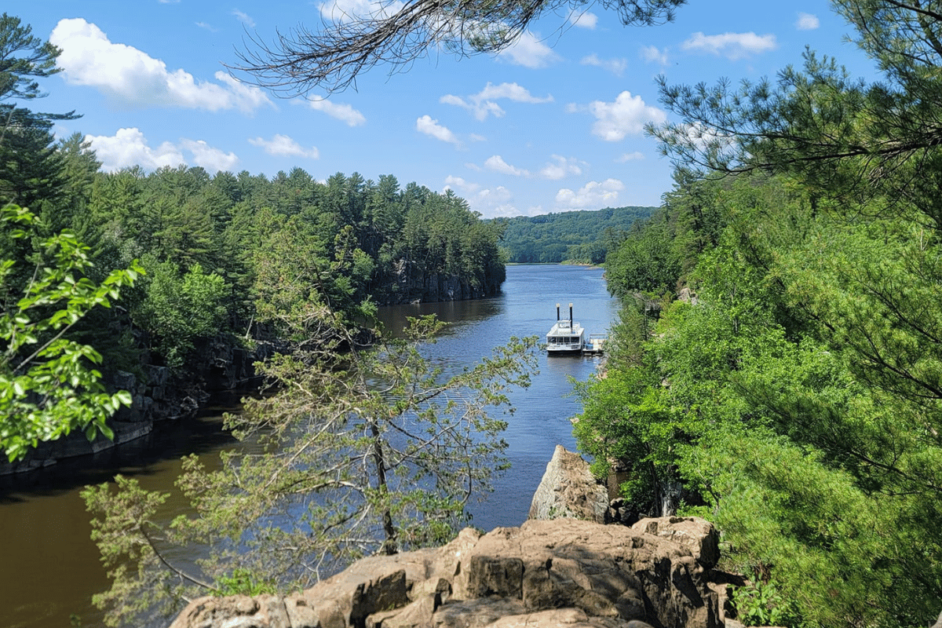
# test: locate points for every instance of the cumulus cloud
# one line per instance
(459, 184)
(592, 194)
(497, 164)
(431, 127)
(283, 146)
(493, 203)
(583, 19)
(627, 115)
(339, 111)
(653, 54)
(344, 10)
(615, 66)
(129, 147)
(484, 103)
(807, 22)
(635, 156)
(244, 18)
(528, 51)
(731, 45)
(134, 78)
(211, 159)
(560, 167)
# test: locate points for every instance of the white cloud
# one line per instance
(134, 78)
(462, 186)
(635, 156)
(528, 51)
(282, 145)
(484, 102)
(426, 125)
(489, 202)
(344, 10)
(592, 194)
(731, 45)
(497, 164)
(615, 66)
(653, 54)
(244, 18)
(626, 116)
(474, 137)
(560, 168)
(340, 111)
(211, 159)
(492, 203)
(807, 22)
(583, 19)
(129, 147)
(208, 27)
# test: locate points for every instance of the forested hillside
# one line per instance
(777, 364)
(581, 236)
(227, 260)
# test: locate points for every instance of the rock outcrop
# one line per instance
(565, 572)
(568, 489)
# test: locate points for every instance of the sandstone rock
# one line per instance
(696, 534)
(568, 489)
(565, 572)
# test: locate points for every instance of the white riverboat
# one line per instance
(565, 336)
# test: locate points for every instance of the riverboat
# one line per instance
(565, 336)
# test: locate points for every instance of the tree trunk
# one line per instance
(390, 546)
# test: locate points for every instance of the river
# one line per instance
(50, 568)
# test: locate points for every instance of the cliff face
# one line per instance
(542, 574)
(411, 282)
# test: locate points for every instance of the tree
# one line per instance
(842, 137)
(47, 387)
(332, 57)
(30, 169)
(366, 451)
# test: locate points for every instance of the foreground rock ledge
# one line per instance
(564, 572)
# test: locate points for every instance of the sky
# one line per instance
(553, 123)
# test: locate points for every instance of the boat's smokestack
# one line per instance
(570, 316)
(557, 312)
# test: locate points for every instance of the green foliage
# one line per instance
(580, 236)
(243, 582)
(180, 311)
(760, 604)
(796, 401)
(47, 385)
(375, 450)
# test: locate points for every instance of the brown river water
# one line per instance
(49, 567)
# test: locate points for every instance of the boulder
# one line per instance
(696, 534)
(565, 572)
(568, 489)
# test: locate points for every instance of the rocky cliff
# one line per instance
(565, 572)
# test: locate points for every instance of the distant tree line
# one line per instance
(582, 237)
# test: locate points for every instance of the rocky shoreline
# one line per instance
(156, 396)
(563, 567)
(570, 564)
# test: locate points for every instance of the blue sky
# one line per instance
(551, 124)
